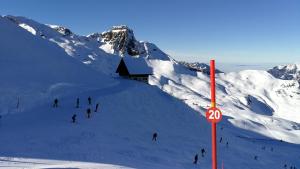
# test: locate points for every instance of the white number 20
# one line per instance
(214, 114)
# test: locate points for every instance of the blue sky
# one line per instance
(231, 31)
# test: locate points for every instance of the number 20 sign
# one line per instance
(213, 115)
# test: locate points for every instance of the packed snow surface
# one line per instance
(261, 118)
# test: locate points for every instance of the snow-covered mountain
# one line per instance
(41, 62)
(99, 50)
(198, 67)
(286, 72)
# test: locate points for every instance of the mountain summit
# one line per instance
(286, 72)
(122, 40)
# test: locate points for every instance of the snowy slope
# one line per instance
(260, 111)
(85, 49)
(33, 68)
(99, 50)
(120, 134)
(250, 93)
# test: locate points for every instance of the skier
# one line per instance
(97, 105)
(255, 157)
(77, 103)
(88, 112)
(222, 128)
(202, 152)
(55, 103)
(227, 144)
(196, 159)
(90, 100)
(221, 140)
(154, 137)
(74, 118)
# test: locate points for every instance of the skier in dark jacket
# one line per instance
(74, 118)
(221, 140)
(97, 105)
(90, 100)
(196, 159)
(77, 103)
(202, 152)
(55, 103)
(88, 112)
(154, 136)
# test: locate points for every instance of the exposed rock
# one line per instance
(95, 36)
(122, 40)
(286, 72)
(198, 67)
(63, 30)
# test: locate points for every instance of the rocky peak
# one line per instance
(95, 36)
(63, 30)
(286, 72)
(198, 67)
(122, 40)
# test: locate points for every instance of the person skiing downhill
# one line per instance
(74, 118)
(97, 105)
(90, 100)
(154, 136)
(196, 159)
(202, 152)
(55, 103)
(88, 112)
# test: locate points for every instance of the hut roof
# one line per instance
(137, 66)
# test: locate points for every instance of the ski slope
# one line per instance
(39, 63)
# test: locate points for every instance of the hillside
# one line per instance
(41, 62)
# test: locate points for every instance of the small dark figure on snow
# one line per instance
(88, 112)
(227, 144)
(196, 159)
(77, 103)
(97, 105)
(90, 100)
(285, 166)
(221, 140)
(154, 137)
(202, 152)
(74, 118)
(55, 103)
(255, 157)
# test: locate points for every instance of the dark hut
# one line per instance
(134, 68)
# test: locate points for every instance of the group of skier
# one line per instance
(88, 111)
(154, 135)
(203, 152)
(291, 167)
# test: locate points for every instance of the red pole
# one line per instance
(213, 104)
